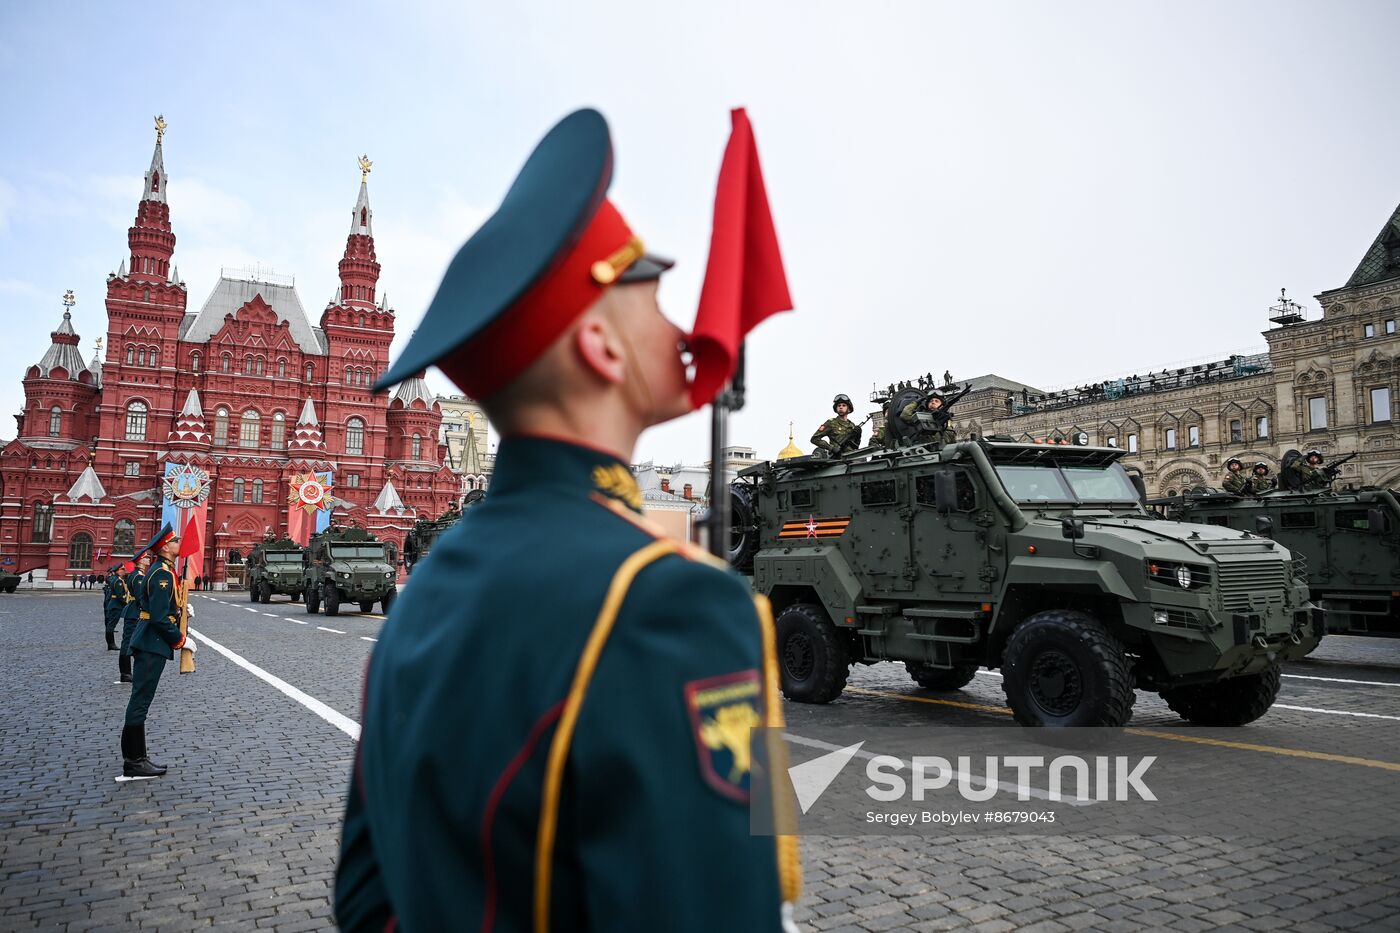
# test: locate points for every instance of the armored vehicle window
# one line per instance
(966, 491)
(1222, 520)
(1034, 484)
(878, 492)
(803, 499)
(357, 550)
(1351, 520)
(1100, 484)
(1299, 520)
(282, 557)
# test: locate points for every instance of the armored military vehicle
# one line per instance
(1038, 559)
(9, 582)
(274, 566)
(348, 565)
(425, 532)
(1349, 541)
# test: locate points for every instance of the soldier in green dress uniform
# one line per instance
(112, 604)
(154, 643)
(573, 755)
(839, 435)
(1236, 480)
(133, 589)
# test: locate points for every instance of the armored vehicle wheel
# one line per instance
(367, 606)
(252, 592)
(332, 600)
(811, 657)
(1062, 668)
(743, 532)
(11, 587)
(1233, 701)
(941, 678)
(388, 600)
(265, 592)
(313, 600)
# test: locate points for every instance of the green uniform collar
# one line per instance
(527, 463)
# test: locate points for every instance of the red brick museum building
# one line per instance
(245, 388)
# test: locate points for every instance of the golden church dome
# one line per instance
(791, 450)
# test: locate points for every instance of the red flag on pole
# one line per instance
(189, 540)
(744, 278)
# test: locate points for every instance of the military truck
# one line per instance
(275, 566)
(9, 582)
(1349, 541)
(348, 565)
(425, 532)
(1038, 559)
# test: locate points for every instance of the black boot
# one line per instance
(112, 642)
(134, 760)
(124, 665)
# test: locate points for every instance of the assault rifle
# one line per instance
(1333, 469)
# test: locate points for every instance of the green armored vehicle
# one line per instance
(348, 565)
(1036, 559)
(425, 532)
(1349, 541)
(274, 566)
(9, 582)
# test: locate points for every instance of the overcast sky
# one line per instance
(1051, 192)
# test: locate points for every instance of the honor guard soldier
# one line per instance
(572, 756)
(154, 642)
(112, 605)
(1261, 481)
(1236, 480)
(133, 583)
(839, 435)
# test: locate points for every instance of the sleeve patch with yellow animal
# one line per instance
(722, 711)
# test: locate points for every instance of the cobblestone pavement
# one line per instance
(243, 832)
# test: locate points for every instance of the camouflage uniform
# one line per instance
(1236, 481)
(942, 433)
(1260, 482)
(837, 435)
(1307, 475)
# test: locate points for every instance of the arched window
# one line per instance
(80, 552)
(155, 181)
(279, 429)
(130, 354)
(362, 320)
(141, 357)
(257, 491)
(417, 453)
(260, 365)
(226, 363)
(249, 430)
(310, 372)
(136, 421)
(238, 490)
(221, 426)
(355, 436)
(281, 368)
(248, 364)
(55, 421)
(124, 539)
(194, 362)
(43, 523)
(349, 376)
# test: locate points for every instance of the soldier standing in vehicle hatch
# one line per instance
(839, 435)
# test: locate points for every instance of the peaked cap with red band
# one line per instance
(551, 249)
(159, 541)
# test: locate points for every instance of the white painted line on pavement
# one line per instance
(297, 621)
(250, 608)
(1343, 680)
(367, 638)
(336, 630)
(270, 615)
(342, 722)
(1335, 712)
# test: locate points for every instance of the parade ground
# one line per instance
(242, 832)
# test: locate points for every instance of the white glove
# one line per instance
(189, 610)
(189, 644)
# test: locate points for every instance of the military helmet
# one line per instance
(1313, 453)
(1235, 460)
(923, 402)
(1261, 465)
(842, 398)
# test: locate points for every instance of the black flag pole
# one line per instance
(730, 399)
